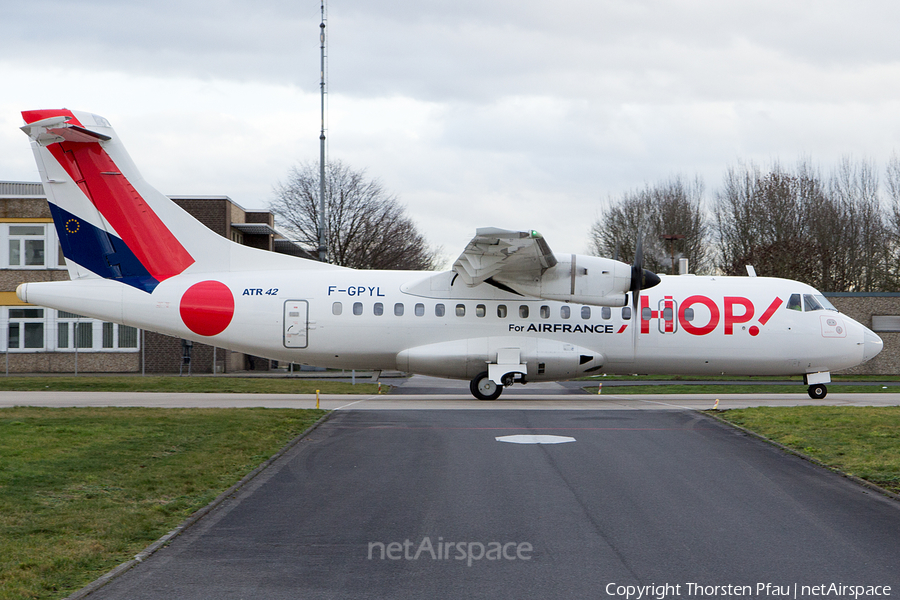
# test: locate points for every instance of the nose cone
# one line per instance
(872, 345)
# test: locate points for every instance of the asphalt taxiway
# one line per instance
(639, 497)
(388, 500)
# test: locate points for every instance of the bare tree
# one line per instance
(832, 234)
(671, 208)
(366, 227)
(761, 220)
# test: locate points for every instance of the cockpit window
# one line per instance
(794, 302)
(810, 303)
(825, 303)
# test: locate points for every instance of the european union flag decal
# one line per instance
(99, 252)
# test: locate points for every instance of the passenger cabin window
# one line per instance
(337, 308)
(480, 310)
(460, 310)
(565, 312)
(606, 313)
(398, 309)
(545, 312)
(378, 309)
(688, 314)
(626, 313)
(794, 302)
(420, 310)
(439, 310)
(585, 312)
(357, 308)
(501, 311)
(523, 311)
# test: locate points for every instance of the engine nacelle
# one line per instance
(579, 279)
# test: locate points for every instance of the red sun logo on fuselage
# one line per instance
(207, 307)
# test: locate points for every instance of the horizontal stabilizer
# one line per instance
(54, 130)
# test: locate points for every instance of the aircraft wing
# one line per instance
(514, 254)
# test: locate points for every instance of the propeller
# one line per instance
(641, 279)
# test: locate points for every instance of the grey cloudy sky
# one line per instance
(515, 114)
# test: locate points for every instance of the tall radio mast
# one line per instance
(323, 247)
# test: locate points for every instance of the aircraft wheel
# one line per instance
(817, 392)
(483, 388)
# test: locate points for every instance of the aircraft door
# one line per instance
(296, 323)
(667, 311)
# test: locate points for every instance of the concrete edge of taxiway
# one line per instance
(191, 520)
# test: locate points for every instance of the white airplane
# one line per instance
(510, 310)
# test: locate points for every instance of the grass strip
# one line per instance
(85, 489)
(219, 385)
(724, 388)
(856, 440)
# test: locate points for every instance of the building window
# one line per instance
(84, 335)
(26, 246)
(128, 336)
(26, 328)
(75, 331)
(109, 335)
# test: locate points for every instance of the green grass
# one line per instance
(724, 388)
(85, 489)
(132, 383)
(857, 440)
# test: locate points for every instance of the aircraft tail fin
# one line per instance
(113, 224)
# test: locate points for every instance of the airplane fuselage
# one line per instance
(427, 323)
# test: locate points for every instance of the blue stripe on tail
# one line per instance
(99, 252)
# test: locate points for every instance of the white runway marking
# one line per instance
(535, 439)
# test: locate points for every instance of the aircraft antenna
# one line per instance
(323, 246)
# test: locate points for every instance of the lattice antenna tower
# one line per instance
(323, 245)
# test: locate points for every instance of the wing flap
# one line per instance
(499, 252)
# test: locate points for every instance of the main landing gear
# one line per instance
(817, 391)
(483, 388)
